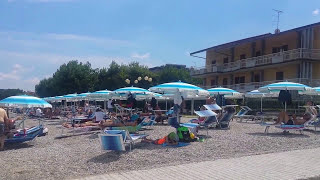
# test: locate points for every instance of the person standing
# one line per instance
(110, 105)
(3, 121)
(153, 103)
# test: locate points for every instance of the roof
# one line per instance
(252, 39)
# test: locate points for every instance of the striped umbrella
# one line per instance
(70, 97)
(103, 94)
(286, 86)
(187, 90)
(222, 91)
(25, 101)
(140, 93)
(258, 94)
(82, 96)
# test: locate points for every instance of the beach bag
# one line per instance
(183, 134)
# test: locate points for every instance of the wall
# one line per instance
(316, 37)
(290, 72)
(289, 38)
(315, 70)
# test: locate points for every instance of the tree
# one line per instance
(4, 93)
(73, 77)
(172, 74)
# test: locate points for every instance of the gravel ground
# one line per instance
(77, 156)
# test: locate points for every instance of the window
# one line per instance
(284, 48)
(213, 82)
(256, 78)
(275, 49)
(213, 62)
(258, 53)
(236, 80)
(225, 81)
(279, 75)
(225, 60)
(242, 79)
(242, 56)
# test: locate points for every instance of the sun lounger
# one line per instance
(150, 122)
(213, 107)
(131, 129)
(285, 127)
(242, 114)
(28, 135)
(116, 139)
(210, 118)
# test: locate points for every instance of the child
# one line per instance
(171, 139)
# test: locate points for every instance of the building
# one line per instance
(247, 64)
(159, 68)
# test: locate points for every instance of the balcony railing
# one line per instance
(245, 87)
(274, 58)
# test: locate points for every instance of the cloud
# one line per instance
(140, 56)
(315, 12)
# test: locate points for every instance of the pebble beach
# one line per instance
(49, 157)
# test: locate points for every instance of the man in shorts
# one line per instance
(3, 122)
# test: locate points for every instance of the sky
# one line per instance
(37, 36)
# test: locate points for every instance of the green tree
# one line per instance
(73, 77)
(4, 93)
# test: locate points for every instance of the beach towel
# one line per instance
(180, 144)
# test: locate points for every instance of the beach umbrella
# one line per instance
(222, 91)
(187, 90)
(122, 93)
(286, 86)
(82, 96)
(102, 94)
(25, 101)
(257, 94)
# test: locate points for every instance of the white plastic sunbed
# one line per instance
(242, 114)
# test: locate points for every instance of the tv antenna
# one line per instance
(278, 20)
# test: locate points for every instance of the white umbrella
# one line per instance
(286, 86)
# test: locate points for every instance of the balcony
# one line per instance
(246, 87)
(285, 56)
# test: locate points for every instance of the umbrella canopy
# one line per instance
(70, 97)
(103, 94)
(222, 91)
(187, 90)
(139, 93)
(316, 91)
(82, 96)
(285, 86)
(25, 101)
(257, 94)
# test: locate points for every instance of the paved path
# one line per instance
(285, 165)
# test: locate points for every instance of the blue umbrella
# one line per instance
(222, 91)
(188, 90)
(285, 86)
(140, 93)
(99, 94)
(25, 101)
(70, 97)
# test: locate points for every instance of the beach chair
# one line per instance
(25, 135)
(131, 129)
(242, 114)
(150, 122)
(224, 122)
(210, 119)
(288, 128)
(117, 139)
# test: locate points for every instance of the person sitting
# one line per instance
(293, 120)
(99, 115)
(170, 139)
(38, 112)
(158, 114)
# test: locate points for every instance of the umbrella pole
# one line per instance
(166, 105)
(285, 106)
(192, 106)
(105, 104)
(261, 105)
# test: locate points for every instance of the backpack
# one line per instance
(183, 134)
